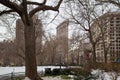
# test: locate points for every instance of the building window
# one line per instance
(111, 34)
(111, 25)
(117, 18)
(112, 22)
(117, 22)
(111, 37)
(112, 18)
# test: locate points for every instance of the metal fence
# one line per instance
(13, 76)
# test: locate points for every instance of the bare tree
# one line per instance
(85, 13)
(114, 2)
(76, 46)
(82, 14)
(50, 49)
(8, 24)
(20, 7)
(103, 23)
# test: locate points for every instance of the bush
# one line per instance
(113, 66)
(56, 72)
(80, 72)
(48, 71)
(78, 78)
(65, 71)
(18, 79)
(66, 77)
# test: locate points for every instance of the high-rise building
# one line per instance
(107, 25)
(62, 40)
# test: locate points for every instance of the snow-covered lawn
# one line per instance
(50, 78)
(102, 75)
(53, 78)
(7, 70)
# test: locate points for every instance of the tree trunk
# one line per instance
(30, 58)
(94, 54)
(104, 46)
(105, 56)
(105, 51)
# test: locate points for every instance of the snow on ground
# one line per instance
(102, 75)
(7, 70)
(52, 78)
(57, 78)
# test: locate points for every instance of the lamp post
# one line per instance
(60, 61)
(59, 56)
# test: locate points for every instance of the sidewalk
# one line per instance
(52, 78)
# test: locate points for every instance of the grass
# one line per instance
(49, 76)
(65, 77)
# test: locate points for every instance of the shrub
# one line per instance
(65, 77)
(48, 71)
(56, 72)
(113, 66)
(80, 72)
(65, 71)
(18, 79)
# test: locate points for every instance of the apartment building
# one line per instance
(106, 29)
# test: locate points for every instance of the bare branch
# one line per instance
(110, 1)
(11, 5)
(57, 7)
(45, 7)
(36, 3)
(6, 12)
(44, 1)
(77, 21)
(53, 18)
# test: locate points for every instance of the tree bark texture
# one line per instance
(30, 57)
(94, 53)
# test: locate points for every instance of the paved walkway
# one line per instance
(52, 78)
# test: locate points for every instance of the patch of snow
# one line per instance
(52, 78)
(72, 76)
(27, 78)
(7, 70)
(102, 75)
(118, 78)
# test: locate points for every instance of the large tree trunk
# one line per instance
(105, 51)
(30, 58)
(105, 56)
(94, 53)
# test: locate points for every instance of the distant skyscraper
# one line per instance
(62, 40)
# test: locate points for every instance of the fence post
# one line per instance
(12, 75)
